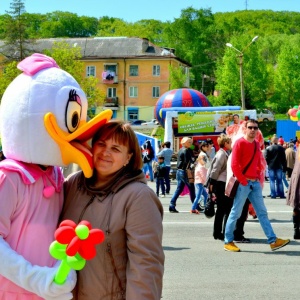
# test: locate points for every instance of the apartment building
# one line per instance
(133, 72)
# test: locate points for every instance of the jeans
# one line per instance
(276, 184)
(200, 190)
(160, 183)
(167, 179)
(148, 166)
(253, 192)
(182, 180)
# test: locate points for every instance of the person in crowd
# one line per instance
(217, 176)
(293, 196)
(217, 180)
(195, 147)
(250, 187)
(211, 152)
(200, 178)
(148, 156)
(276, 160)
(290, 155)
(167, 153)
(129, 264)
(204, 153)
(185, 159)
(160, 171)
(281, 140)
(233, 129)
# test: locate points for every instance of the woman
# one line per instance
(200, 178)
(293, 196)
(129, 264)
(204, 147)
(217, 177)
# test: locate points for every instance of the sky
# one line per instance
(135, 10)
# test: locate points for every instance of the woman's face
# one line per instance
(109, 157)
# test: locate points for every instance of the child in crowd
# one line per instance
(200, 177)
(160, 171)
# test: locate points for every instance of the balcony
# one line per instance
(111, 103)
(109, 77)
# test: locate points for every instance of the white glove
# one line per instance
(35, 279)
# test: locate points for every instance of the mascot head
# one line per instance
(43, 117)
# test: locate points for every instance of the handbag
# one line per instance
(231, 187)
(190, 172)
(190, 175)
(209, 210)
(233, 183)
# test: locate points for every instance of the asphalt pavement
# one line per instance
(197, 266)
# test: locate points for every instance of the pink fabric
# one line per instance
(200, 173)
(185, 191)
(28, 220)
(35, 63)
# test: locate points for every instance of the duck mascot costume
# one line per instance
(43, 126)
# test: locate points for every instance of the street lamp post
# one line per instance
(241, 55)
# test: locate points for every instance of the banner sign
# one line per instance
(209, 121)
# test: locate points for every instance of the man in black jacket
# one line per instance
(185, 159)
(276, 160)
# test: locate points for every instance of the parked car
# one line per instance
(152, 122)
(137, 122)
(264, 115)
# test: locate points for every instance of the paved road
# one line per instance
(197, 266)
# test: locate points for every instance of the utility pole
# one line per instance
(246, 4)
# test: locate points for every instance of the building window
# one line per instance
(111, 92)
(133, 92)
(156, 70)
(90, 71)
(155, 92)
(133, 114)
(133, 70)
(111, 68)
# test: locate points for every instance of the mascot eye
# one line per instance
(73, 112)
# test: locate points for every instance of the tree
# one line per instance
(10, 72)
(287, 77)
(177, 77)
(16, 37)
(254, 75)
(68, 58)
(191, 35)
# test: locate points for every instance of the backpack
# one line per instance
(147, 152)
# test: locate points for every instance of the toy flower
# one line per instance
(74, 245)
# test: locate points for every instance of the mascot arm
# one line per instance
(36, 279)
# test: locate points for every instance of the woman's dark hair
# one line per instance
(167, 144)
(203, 144)
(123, 134)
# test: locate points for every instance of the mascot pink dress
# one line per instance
(43, 126)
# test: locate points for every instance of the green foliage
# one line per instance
(177, 77)
(270, 65)
(267, 128)
(10, 72)
(16, 37)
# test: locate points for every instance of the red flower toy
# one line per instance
(73, 246)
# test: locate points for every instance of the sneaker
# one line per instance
(242, 240)
(231, 247)
(195, 211)
(278, 244)
(172, 209)
(163, 195)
